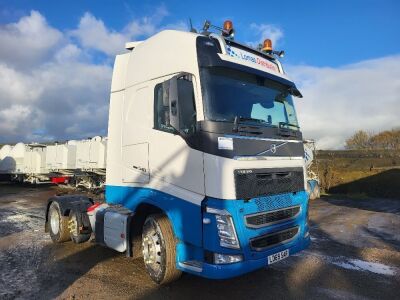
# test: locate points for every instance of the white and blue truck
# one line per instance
(205, 160)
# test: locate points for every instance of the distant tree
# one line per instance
(385, 140)
(359, 140)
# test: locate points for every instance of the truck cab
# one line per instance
(205, 151)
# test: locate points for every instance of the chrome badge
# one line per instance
(273, 148)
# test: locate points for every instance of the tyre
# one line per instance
(159, 249)
(58, 224)
(74, 225)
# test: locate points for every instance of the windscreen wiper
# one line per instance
(238, 119)
(284, 130)
(281, 124)
(252, 119)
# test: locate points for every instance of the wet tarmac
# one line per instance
(355, 254)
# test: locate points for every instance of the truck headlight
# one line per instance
(226, 229)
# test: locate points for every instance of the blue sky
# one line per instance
(56, 60)
(321, 33)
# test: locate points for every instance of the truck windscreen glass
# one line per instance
(229, 93)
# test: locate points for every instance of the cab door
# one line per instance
(172, 161)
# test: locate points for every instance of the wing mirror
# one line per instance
(173, 103)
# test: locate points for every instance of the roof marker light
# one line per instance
(267, 46)
(228, 30)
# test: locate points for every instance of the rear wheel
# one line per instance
(58, 224)
(159, 249)
(75, 227)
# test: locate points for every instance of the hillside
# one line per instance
(374, 173)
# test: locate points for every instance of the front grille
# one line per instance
(252, 183)
(273, 202)
(271, 217)
(273, 239)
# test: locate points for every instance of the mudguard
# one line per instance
(79, 203)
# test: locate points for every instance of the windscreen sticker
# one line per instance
(247, 56)
(225, 143)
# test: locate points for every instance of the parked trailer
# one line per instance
(35, 170)
(24, 162)
(91, 162)
(81, 163)
(61, 157)
(6, 161)
(205, 160)
(91, 154)
(13, 163)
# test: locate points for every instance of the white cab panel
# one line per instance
(172, 161)
(136, 163)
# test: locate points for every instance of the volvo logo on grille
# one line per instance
(245, 171)
(273, 148)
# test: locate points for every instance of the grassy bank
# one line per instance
(371, 173)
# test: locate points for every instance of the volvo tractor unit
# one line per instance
(205, 170)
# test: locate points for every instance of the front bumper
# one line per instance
(252, 259)
(236, 269)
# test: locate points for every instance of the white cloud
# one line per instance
(92, 32)
(339, 101)
(28, 41)
(52, 86)
(264, 31)
(16, 86)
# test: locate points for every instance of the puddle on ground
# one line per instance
(353, 264)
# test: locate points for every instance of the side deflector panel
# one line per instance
(136, 163)
(135, 144)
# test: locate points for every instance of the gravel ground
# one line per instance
(355, 254)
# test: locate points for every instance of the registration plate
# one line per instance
(278, 256)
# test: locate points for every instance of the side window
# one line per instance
(187, 106)
(161, 108)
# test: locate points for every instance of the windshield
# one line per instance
(231, 94)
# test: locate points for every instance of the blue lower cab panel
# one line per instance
(195, 238)
(239, 210)
(236, 269)
(185, 216)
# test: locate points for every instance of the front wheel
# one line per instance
(159, 249)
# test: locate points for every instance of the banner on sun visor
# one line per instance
(251, 58)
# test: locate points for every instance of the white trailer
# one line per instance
(18, 155)
(91, 162)
(6, 161)
(34, 170)
(91, 154)
(61, 157)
